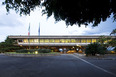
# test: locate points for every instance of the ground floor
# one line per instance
(62, 49)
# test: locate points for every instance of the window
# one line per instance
(57, 40)
(25, 40)
(36, 40)
(78, 40)
(73, 41)
(94, 40)
(62, 40)
(83, 40)
(51, 40)
(31, 40)
(67, 40)
(88, 40)
(41, 41)
(46, 40)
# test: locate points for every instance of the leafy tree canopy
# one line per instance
(103, 39)
(8, 45)
(71, 11)
(113, 32)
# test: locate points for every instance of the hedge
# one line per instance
(33, 51)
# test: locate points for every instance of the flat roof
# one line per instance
(56, 36)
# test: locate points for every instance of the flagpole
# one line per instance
(39, 34)
(29, 35)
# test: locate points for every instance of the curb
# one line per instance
(31, 55)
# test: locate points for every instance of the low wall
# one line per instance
(32, 55)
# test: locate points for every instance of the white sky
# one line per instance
(14, 24)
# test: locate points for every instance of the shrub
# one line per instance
(22, 51)
(94, 48)
(26, 51)
(44, 50)
(33, 51)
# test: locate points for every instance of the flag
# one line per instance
(39, 30)
(29, 30)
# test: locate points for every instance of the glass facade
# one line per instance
(36, 40)
(25, 40)
(83, 40)
(78, 41)
(89, 40)
(51, 40)
(67, 40)
(73, 40)
(46, 40)
(58, 40)
(41, 40)
(94, 40)
(62, 40)
(31, 40)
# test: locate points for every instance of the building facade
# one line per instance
(55, 42)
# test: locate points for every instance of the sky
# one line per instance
(14, 24)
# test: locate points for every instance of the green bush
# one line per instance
(33, 51)
(94, 48)
(22, 51)
(44, 50)
(26, 51)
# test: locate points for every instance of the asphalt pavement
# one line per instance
(66, 65)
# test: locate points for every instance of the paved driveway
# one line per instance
(52, 66)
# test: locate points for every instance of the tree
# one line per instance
(94, 48)
(103, 40)
(113, 32)
(8, 45)
(112, 43)
(71, 11)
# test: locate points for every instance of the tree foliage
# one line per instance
(22, 6)
(71, 11)
(103, 40)
(95, 48)
(113, 32)
(112, 43)
(8, 46)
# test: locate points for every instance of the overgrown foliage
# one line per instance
(71, 11)
(94, 48)
(8, 46)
